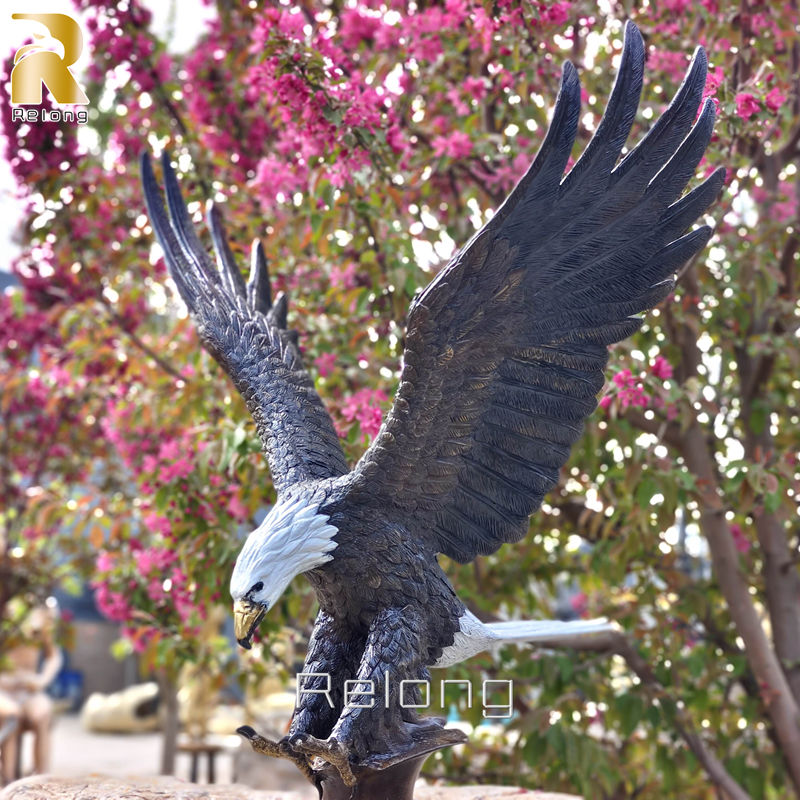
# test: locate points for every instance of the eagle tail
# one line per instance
(475, 636)
(548, 632)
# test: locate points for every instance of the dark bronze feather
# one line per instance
(247, 333)
(526, 312)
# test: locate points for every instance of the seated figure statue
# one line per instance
(22, 693)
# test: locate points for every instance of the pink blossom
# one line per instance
(454, 96)
(155, 589)
(345, 277)
(139, 644)
(104, 562)
(325, 364)
(184, 606)
(557, 13)
(370, 421)
(154, 558)
(672, 62)
(661, 368)
(113, 604)
(456, 145)
(763, 23)
(775, 99)
(170, 450)
(178, 576)
(782, 204)
(158, 522)
(629, 390)
(363, 407)
(291, 23)
(181, 468)
(236, 508)
(144, 561)
(474, 87)
(623, 378)
(356, 27)
(579, 603)
(784, 210)
(746, 105)
(714, 79)
(740, 541)
(149, 464)
(138, 637)
(634, 396)
(275, 174)
(677, 6)
(396, 139)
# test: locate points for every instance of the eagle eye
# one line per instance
(257, 587)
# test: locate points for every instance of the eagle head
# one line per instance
(293, 538)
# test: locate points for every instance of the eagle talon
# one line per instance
(330, 750)
(280, 749)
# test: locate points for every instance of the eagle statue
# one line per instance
(504, 357)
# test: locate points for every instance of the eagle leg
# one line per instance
(375, 730)
(331, 659)
(281, 749)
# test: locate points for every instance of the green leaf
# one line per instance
(772, 502)
(239, 436)
(557, 740)
(630, 708)
(647, 488)
(759, 416)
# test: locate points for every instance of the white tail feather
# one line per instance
(475, 636)
(537, 630)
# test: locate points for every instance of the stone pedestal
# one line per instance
(97, 787)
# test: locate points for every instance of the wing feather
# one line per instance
(247, 334)
(506, 347)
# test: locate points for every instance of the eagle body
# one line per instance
(390, 573)
(504, 358)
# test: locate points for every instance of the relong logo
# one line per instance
(35, 64)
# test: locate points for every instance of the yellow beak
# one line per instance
(246, 616)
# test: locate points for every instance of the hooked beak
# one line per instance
(246, 616)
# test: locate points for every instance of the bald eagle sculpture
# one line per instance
(504, 357)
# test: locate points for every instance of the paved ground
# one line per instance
(77, 752)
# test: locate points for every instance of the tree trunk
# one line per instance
(169, 745)
(777, 696)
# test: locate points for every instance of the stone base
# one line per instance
(97, 787)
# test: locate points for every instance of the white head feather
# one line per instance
(293, 538)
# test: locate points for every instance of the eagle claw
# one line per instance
(279, 749)
(330, 750)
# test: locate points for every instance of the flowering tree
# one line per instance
(360, 141)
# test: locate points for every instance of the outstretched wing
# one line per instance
(506, 347)
(247, 335)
